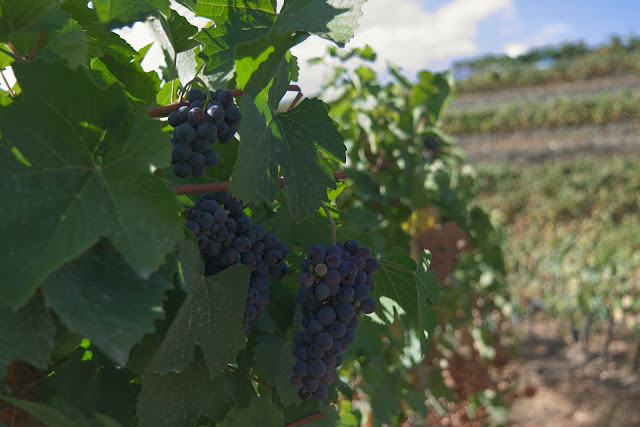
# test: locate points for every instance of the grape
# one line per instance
(182, 169)
(337, 329)
(208, 206)
(327, 378)
(262, 269)
(234, 207)
(181, 152)
(262, 233)
(258, 282)
(364, 252)
(230, 241)
(252, 295)
(333, 291)
(336, 348)
(301, 352)
(348, 270)
(351, 246)
(321, 291)
(222, 129)
(320, 393)
(228, 136)
(246, 328)
(316, 368)
(243, 244)
(174, 119)
(216, 112)
(358, 261)
(225, 98)
(264, 298)
(230, 257)
(348, 338)
(208, 131)
(310, 384)
(327, 315)
(301, 368)
(354, 323)
(371, 265)
(185, 133)
(324, 341)
(333, 261)
(369, 283)
(196, 116)
(250, 259)
(222, 197)
(232, 114)
(220, 216)
(211, 157)
(219, 232)
(203, 241)
(192, 226)
(196, 95)
(197, 104)
(304, 394)
(305, 280)
(361, 292)
(305, 264)
(329, 360)
(346, 294)
(369, 305)
(333, 249)
(232, 226)
(345, 312)
(183, 112)
(197, 160)
(320, 269)
(298, 338)
(279, 272)
(361, 277)
(272, 257)
(309, 337)
(245, 224)
(316, 254)
(213, 248)
(316, 326)
(332, 278)
(297, 381)
(338, 361)
(315, 352)
(250, 312)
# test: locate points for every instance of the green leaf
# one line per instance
(175, 33)
(164, 96)
(20, 15)
(384, 393)
(261, 413)
(100, 41)
(210, 318)
(68, 44)
(411, 287)
(26, 334)
(238, 23)
(95, 174)
(139, 85)
(330, 417)
(313, 229)
(46, 414)
(177, 399)
(79, 387)
(121, 13)
(100, 296)
(273, 356)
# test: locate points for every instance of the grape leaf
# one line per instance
(289, 140)
(174, 33)
(26, 334)
(79, 387)
(273, 357)
(97, 182)
(210, 318)
(302, 234)
(177, 399)
(238, 23)
(68, 44)
(20, 15)
(121, 13)
(100, 296)
(384, 394)
(411, 287)
(139, 85)
(330, 417)
(51, 417)
(261, 413)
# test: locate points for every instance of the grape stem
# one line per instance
(207, 187)
(305, 419)
(7, 83)
(37, 46)
(165, 110)
(334, 227)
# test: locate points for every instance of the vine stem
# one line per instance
(251, 377)
(15, 51)
(164, 110)
(304, 420)
(207, 187)
(334, 227)
(7, 83)
(37, 46)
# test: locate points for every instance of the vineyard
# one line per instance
(206, 245)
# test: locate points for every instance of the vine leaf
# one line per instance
(100, 296)
(406, 288)
(177, 399)
(261, 413)
(238, 23)
(174, 34)
(51, 417)
(273, 356)
(288, 140)
(68, 44)
(19, 15)
(209, 318)
(121, 13)
(26, 334)
(76, 176)
(302, 234)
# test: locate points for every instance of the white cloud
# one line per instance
(546, 35)
(404, 33)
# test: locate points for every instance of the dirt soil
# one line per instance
(562, 385)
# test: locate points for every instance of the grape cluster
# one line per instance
(336, 282)
(196, 128)
(227, 236)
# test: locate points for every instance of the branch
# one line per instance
(207, 187)
(15, 51)
(334, 227)
(37, 46)
(165, 110)
(304, 420)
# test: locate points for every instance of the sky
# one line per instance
(432, 34)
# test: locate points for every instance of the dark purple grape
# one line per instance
(346, 294)
(321, 291)
(198, 172)
(348, 270)
(358, 261)
(351, 246)
(315, 326)
(361, 292)
(333, 249)
(346, 256)
(337, 329)
(211, 157)
(336, 348)
(196, 116)
(301, 352)
(192, 226)
(348, 338)
(208, 131)
(327, 378)
(230, 241)
(232, 226)
(309, 337)
(232, 114)
(203, 242)
(333, 291)
(225, 97)
(329, 361)
(345, 312)
(263, 300)
(371, 265)
(216, 112)
(220, 216)
(196, 95)
(316, 368)
(320, 393)
(316, 254)
(315, 352)
(327, 315)
(296, 381)
(324, 341)
(183, 112)
(219, 232)
(230, 257)
(185, 133)
(258, 282)
(251, 259)
(298, 338)
(244, 223)
(196, 160)
(272, 257)
(222, 197)
(305, 280)
(332, 278)
(270, 241)
(222, 129)
(333, 261)
(214, 247)
(304, 265)
(181, 152)
(243, 244)
(174, 119)
(279, 272)
(301, 368)
(369, 282)
(250, 312)
(228, 136)
(338, 361)
(304, 394)
(364, 252)
(353, 324)
(252, 295)
(182, 169)
(209, 206)
(262, 269)
(361, 277)
(310, 384)
(369, 305)
(197, 104)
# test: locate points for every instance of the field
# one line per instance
(558, 165)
